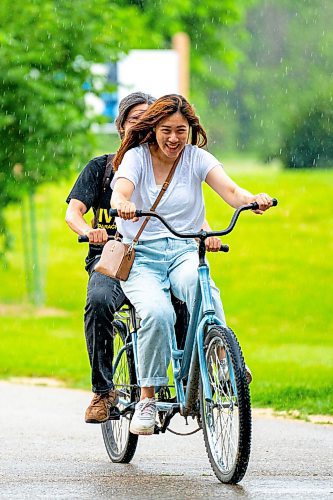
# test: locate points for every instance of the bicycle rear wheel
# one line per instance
(119, 442)
(226, 420)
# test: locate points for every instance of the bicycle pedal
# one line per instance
(114, 414)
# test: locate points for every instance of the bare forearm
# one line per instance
(121, 197)
(233, 194)
(76, 222)
(118, 198)
(238, 196)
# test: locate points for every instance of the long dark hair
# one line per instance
(143, 131)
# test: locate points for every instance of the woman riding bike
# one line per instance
(104, 294)
(168, 131)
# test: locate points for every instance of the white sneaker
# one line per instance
(143, 420)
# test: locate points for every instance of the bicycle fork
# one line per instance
(196, 335)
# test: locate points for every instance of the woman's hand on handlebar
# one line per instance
(264, 201)
(97, 236)
(126, 210)
(213, 244)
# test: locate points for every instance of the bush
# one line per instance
(309, 143)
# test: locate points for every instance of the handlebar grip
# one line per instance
(255, 205)
(224, 248)
(83, 238)
(113, 212)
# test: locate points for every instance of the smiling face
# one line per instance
(171, 135)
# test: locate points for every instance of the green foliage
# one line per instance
(47, 48)
(286, 64)
(276, 290)
(46, 51)
(310, 141)
(215, 29)
(207, 23)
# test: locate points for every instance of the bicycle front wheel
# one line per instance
(226, 419)
(119, 442)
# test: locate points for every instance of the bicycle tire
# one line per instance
(226, 422)
(119, 442)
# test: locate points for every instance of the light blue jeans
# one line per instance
(160, 266)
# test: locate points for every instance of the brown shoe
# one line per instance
(99, 409)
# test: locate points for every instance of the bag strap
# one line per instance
(158, 199)
(108, 172)
(105, 184)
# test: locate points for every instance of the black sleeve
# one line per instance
(88, 185)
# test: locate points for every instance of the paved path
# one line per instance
(47, 451)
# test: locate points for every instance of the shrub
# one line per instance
(309, 142)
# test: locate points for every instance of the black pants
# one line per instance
(104, 297)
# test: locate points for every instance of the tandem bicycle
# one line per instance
(209, 376)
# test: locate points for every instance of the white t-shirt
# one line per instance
(182, 204)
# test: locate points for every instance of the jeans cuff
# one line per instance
(102, 391)
(153, 381)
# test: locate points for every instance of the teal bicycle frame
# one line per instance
(187, 363)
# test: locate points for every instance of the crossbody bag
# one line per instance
(117, 257)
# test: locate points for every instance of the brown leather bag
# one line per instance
(117, 258)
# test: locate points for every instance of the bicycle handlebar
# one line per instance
(84, 239)
(202, 235)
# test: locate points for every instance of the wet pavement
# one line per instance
(47, 451)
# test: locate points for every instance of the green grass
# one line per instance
(44, 347)
(276, 285)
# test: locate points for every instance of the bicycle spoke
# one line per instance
(221, 416)
(119, 442)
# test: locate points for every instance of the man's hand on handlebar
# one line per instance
(97, 236)
(264, 201)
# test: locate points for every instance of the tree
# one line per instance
(309, 141)
(46, 50)
(47, 47)
(215, 29)
(286, 65)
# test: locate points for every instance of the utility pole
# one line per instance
(181, 44)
